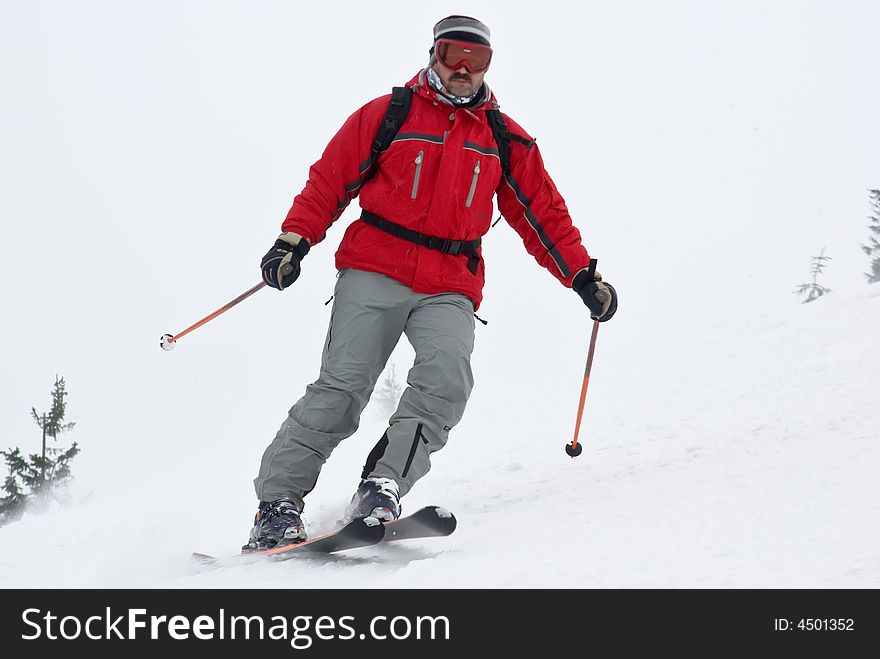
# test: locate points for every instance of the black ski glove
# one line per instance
(280, 266)
(599, 296)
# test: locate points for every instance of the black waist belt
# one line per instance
(455, 247)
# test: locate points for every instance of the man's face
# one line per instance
(459, 82)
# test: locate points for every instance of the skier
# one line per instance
(411, 264)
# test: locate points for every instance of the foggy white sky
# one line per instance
(149, 151)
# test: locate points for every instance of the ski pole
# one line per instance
(574, 449)
(168, 341)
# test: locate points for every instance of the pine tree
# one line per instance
(814, 290)
(389, 391)
(12, 505)
(872, 249)
(52, 424)
(44, 474)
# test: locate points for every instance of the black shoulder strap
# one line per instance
(395, 115)
(397, 112)
(503, 137)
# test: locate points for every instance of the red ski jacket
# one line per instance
(438, 177)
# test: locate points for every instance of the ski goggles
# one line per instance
(456, 54)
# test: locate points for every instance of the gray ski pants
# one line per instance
(370, 313)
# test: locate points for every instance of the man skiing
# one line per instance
(411, 264)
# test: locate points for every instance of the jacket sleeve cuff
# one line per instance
(301, 245)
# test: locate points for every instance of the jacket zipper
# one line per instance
(470, 198)
(419, 159)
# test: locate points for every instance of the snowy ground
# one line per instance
(730, 433)
(739, 454)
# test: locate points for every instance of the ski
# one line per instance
(428, 522)
(361, 532)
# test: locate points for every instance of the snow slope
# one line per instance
(742, 453)
(730, 432)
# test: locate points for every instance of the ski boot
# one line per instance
(276, 523)
(375, 497)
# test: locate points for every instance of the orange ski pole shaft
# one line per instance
(574, 449)
(168, 341)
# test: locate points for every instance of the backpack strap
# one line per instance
(395, 115)
(503, 137)
(397, 112)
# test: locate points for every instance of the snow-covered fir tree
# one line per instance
(872, 249)
(37, 478)
(388, 391)
(813, 290)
